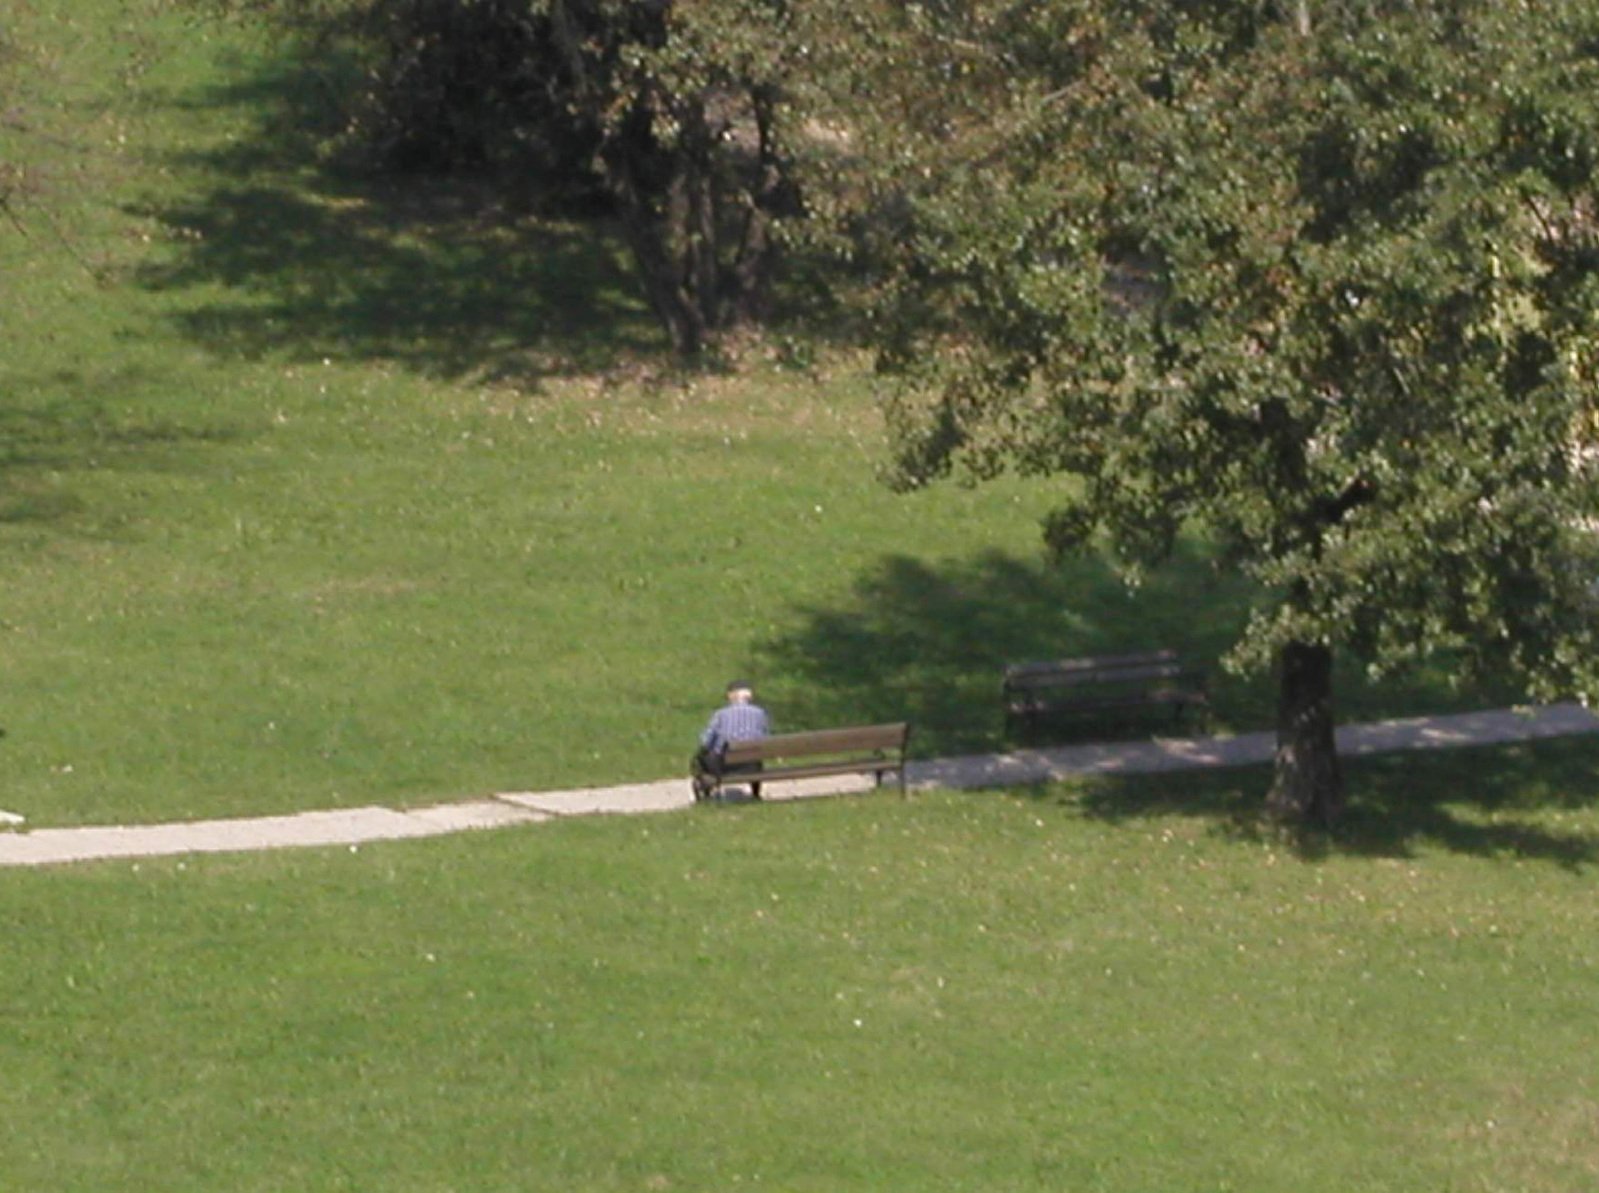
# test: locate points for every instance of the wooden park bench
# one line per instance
(1037, 692)
(875, 750)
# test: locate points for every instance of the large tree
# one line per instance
(1318, 280)
(686, 99)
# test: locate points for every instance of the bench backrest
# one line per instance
(1101, 669)
(857, 740)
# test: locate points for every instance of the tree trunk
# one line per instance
(650, 214)
(696, 207)
(1308, 785)
(661, 273)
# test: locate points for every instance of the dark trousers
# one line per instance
(710, 766)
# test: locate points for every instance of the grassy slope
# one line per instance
(239, 579)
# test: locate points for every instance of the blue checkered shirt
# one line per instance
(735, 722)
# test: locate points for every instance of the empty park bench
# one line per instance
(1037, 692)
(875, 750)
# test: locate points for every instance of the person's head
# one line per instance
(740, 692)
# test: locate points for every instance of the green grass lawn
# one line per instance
(961, 992)
(316, 492)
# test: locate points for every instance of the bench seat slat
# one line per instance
(887, 766)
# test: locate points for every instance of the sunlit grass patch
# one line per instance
(951, 991)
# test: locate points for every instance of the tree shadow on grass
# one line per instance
(43, 444)
(1484, 801)
(286, 256)
(928, 642)
(412, 275)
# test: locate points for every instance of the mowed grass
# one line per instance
(314, 492)
(946, 992)
(488, 600)
(311, 495)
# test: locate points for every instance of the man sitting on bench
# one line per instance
(740, 719)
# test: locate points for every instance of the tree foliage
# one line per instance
(687, 97)
(673, 114)
(1322, 279)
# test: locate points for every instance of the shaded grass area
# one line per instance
(929, 639)
(274, 250)
(947, 992)
(75, 429)
(417, 274)
(1530, 802)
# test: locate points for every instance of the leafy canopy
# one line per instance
(1323, 283)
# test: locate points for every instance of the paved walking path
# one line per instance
(355, 826)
